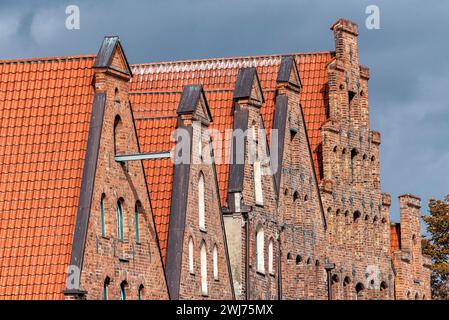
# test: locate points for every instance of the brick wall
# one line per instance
(303, 242)
(212, 235)
(136, 262)
(413, 272)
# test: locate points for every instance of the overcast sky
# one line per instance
(408, 57)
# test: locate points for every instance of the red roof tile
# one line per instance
(45, 110)
(156, 89)
(155, 136)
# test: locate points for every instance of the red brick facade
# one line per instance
(133, 262)
(310, 223)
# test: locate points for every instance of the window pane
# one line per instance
(120, 220)
(203, 269)
(260, 256)
(103, 229)
(191, 256)
(270, 256)
(215, 261)
(201, 204)
(137, 222)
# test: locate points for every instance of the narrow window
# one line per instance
(119, 137)
(106, 288)
(200, 146)
(103, 226)
(120, 220)
(140, 292)
(258, 182)
(270, 257)
(257, 170)
(123, 286)
(354, 172)
(359, 291)
(136, 218)
(191, 256)
(201, 204)
(215, 258)
(260, 254)
(203, 269)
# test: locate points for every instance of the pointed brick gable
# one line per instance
(115, 233)
(172, 187)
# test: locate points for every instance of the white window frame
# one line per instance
(191, 260)
(270, 257)
(215, 262)
(203, 254)
(260, 250)
(201, 203)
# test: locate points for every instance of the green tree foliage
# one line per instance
(437, 246)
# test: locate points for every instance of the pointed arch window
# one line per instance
(120, 228)
(119, 137)
(140, 292)
(201, 203)
(270, 257)
(136, 220)
(191, 267)
(203, 269)
(257, 168)
(215, 262)
(102, 216)
(106, 283)
(260, 250)
(123, 287)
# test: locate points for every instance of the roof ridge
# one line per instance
(43, 59)
(230, 58)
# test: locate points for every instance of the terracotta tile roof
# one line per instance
(157, 86)
(45, 107)
(155, 136)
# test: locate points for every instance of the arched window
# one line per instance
(354, 172)
(258, 192)
(335, 293)
(203, 269)
(346, 288)
(102, 217)
(356, 216)
(119, 137)
(359, 291)
(270, 257)
(215, 262)
(191, 269)
(201, 203)
(123, 287)
(260, 250)
(383, 290)
(298, 259)
(120, 229)
(136, 219)
(140, 292)
(106, 283)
